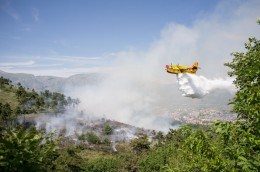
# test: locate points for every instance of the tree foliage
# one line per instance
(108, 164)
(5, 112)
(26, 150)
(107, 129)
(91, 137)
(245, 67)
(4, 81)
(140, 144)
(31, 101)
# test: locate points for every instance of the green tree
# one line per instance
(4, 81)
(69, 160)
(5, 111)
(26, 150)
(20, 93)
(91, 137)
(18, 110)
(140, 144)
(108, 164)
(107, 129)
(245, 67)
(159, 137)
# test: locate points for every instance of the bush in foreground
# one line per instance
(26, 150)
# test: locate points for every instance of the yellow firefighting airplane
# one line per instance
(176, 69)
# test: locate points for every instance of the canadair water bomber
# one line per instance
(176, 69)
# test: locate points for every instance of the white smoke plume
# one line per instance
(196, 86)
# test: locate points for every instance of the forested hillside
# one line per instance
(17, 100)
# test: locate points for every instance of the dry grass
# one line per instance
(8, 96)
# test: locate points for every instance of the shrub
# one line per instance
(91, 137)
(140, 144)
(106, 141)
(26, 150)
(107, 129)
(69, 160)
(156, 159)
(108, 164)
(5, 112)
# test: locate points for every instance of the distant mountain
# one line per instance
(52, 83)
(218, 99)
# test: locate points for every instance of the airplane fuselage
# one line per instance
(177, 69)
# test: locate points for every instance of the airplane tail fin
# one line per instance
(195, 65)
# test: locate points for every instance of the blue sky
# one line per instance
(54, 33)
(89, 28)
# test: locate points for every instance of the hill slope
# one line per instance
(52, 83)
(8, 96)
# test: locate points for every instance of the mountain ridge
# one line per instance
(52, 83)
